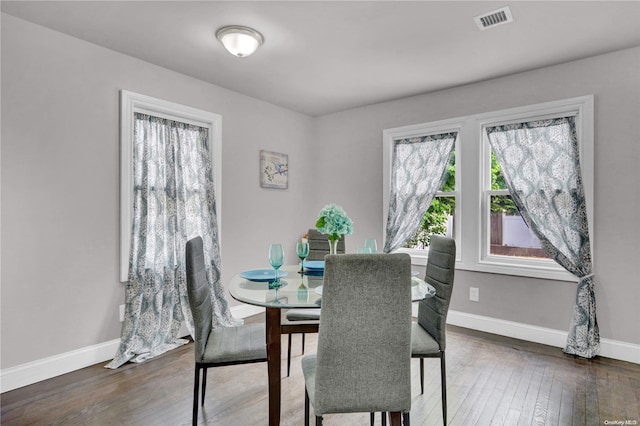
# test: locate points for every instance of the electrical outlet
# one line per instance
(474, 294)
(121, 313)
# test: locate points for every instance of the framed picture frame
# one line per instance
(274, 170)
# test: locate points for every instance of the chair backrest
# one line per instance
(199, 294)
(432, 312)
(364, 341)
(319, 245)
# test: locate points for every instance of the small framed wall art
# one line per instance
(274, 170)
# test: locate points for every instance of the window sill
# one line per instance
(541, 271)
(418, 257)
(551, 271)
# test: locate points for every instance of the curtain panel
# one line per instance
(540, 162)
(418, 170)
(174, 201)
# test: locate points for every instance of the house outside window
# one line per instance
(490, 234)
(508, 233)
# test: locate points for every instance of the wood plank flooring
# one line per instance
(492, 380)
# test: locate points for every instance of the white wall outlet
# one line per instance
(474, 294)
(121, 313)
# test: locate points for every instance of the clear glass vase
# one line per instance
(333, 246)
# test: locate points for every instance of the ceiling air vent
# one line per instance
(494, 18)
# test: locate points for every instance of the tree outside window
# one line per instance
(439, 218)
(509, 233)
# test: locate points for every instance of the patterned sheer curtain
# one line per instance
(418, 170)
(541, 166)
(174, 201)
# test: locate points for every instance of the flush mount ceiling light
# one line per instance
(238, 40)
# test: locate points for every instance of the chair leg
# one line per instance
(383, 418)
(196, 388)
(289, 356)
(318, 420)
(443, 384)
(421, 376)
(204, 384)
(303, 334)
(396, 419)
(306, 406)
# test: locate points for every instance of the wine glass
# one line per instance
(371, 243)
(276, 258)
(303, 293)
(302, 250)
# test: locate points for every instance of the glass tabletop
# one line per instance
(299, 291)
(419, 290)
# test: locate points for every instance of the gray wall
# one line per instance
(614, 80)
(60, 288)
(60, 177)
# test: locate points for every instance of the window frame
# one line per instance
(420, 256)
(473, 164)
(131, 103)
(582, 109)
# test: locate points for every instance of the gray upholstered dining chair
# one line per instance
(318, 249)
(428, 334)
(300, 321)
(215, 347)
(363, 358)
(319, 245)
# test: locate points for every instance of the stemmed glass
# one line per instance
(276, 258)
(302, 250)
(372, 245)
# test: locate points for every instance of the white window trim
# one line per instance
(470, 149)
(131, 103)
(419, 257)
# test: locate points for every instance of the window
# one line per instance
(491, 235)
(132, 104)
(508, 234)
(442, 216)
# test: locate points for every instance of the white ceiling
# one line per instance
(321, 57)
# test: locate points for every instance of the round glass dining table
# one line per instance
(296, 291)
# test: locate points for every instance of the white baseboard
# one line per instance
(615, 349)
(43, 369)
(47, 368)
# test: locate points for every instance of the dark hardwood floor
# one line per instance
(492, 380)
